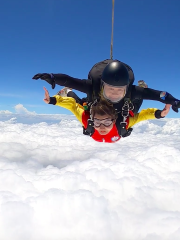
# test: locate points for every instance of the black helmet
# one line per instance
(115, 74)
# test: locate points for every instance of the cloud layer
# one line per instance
(56, 183)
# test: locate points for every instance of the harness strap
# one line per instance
(90, 128)
(125, 113)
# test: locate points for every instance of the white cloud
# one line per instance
(19, 108)
(5, 112)
(56, 183)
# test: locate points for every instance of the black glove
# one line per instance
(176, 105)
(47, 77)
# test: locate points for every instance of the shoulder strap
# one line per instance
(121, 122)
(121, 127)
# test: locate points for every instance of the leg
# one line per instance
(67, 92)
(78, 100)
(73, 95)
(141, 83)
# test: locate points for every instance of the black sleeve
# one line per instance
(158, 114)
(151, 94)
(81, 85)
(52, 100)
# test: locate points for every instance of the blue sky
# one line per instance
(69, 36)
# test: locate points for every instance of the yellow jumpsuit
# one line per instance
(78, 110)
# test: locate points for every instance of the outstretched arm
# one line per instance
(81, 85)
(65, 102)
(161, 96)
(147, 114)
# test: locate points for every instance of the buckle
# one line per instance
(123, 124)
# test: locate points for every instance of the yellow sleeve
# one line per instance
(145, 114)
(70, 104)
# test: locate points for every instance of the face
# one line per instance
(114, 94)
(103, 124)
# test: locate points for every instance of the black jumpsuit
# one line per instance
(138, 94)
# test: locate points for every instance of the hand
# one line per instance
(47, 77)
(165, 111)
(175, 106)
(47, 97)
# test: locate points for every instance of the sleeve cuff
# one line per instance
(52, 100)
(158, 114)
